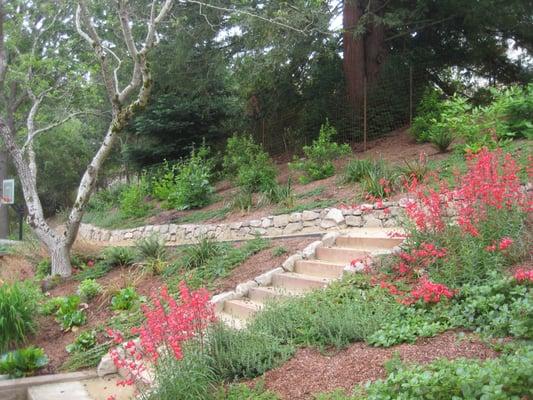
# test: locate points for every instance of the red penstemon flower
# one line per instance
(523, 275)
(491, 182)
(168, 325)
(430, 292)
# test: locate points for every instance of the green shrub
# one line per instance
(52, 305)
(318, 163)
(193, 188)
(84, 342)
(89, 288)
(43, 269)
(335, 317)
(125, 299)
(69, 315)
(244, 354)
(106, 199)
(507, 377)
(513, 107)
(163, 183)
(23, 362)
(500, 307)
(133, 200)
(119, 256)
(18, 308)
(152, 247)
(428, 113)
(248, 165)
(192, 377)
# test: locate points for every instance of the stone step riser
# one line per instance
(339, 255)
(368, 243)
(325, 270)
(296, 283)
(239, 309)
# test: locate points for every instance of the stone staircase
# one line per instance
(317, 266)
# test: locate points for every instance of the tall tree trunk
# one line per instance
(364, 49)
(354, 53)
(4, 223)
(375, 51)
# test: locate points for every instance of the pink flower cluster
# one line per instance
(524, 275)
(491, 182)
(430, 292)
(419, 259)
(504, 244)
(168, 325)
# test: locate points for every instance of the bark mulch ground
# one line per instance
(310, 372)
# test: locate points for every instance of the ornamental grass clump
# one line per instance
(18, 308)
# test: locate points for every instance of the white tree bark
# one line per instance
(124, 103)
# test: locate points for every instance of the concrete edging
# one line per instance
(16, 389)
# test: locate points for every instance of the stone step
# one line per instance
(367, 243)
(59, 391)
(264, 294)
(231, 321)
(339, 254)
(319, 268)
(241, 308)
(299, 282)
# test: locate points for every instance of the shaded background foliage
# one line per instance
(218, 72)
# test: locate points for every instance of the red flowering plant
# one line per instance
(523, 275)
(169, 326)
(479, 221)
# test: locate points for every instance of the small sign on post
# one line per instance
(8, 191)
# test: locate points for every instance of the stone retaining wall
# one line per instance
(382, 214)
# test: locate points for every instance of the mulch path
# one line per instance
(310, 372)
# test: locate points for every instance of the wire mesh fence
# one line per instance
(389, 104)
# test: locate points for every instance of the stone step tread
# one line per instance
(339, 254)
(344, 249)
(241, 308)
(321, 262)
(367, 243)
(307, 277)
(263, 294)
(319, 268)
(231, 321)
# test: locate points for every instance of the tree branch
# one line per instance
(82, 18)
(53, 125)
(243, 12)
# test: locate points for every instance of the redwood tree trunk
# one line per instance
(364, 50)
(354, 53)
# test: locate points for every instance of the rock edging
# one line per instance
(377, 215)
